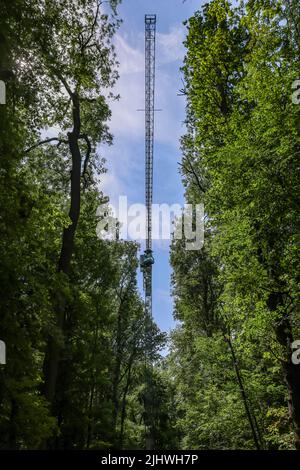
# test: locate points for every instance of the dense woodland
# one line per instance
(72, 316)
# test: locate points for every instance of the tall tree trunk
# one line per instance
(291, 372)
(89, 428)
(12, 435)
(54, 346)
(244, 396)
(92, 395)
(123, 409)
(117, 369)
(284, 335)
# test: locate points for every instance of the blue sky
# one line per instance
(126, 158)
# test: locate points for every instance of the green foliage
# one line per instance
(228, 377)
(66, 50)
(240, 157)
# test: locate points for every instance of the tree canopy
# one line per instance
(86, 368)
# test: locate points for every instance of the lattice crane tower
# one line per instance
(147, 260)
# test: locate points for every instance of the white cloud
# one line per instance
(126, 120)
(130, 49)
(111, 184)
(131, 59)
(125, 158)
(169, 45)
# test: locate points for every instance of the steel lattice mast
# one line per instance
(150, 26)
(147, 259)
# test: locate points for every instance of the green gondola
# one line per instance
(146, 259)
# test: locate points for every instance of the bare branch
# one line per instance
(63, 81)
(52, 139)
(85, 44)
(193, 172)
